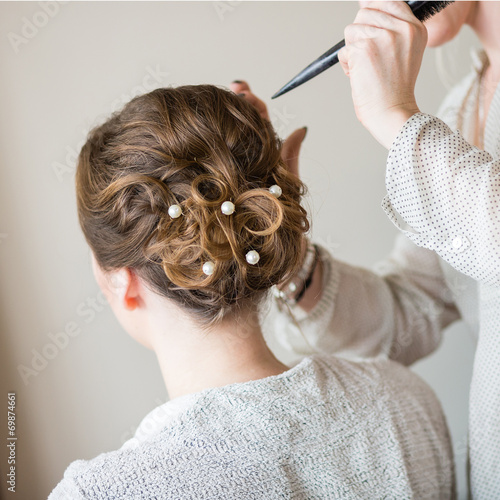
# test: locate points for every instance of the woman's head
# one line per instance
(196, 147)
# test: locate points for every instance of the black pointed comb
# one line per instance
(422, 11)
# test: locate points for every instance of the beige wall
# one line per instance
(64, 69)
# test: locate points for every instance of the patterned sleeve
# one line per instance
(398, 310)
(444, 194)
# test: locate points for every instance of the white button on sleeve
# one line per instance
(443, 188)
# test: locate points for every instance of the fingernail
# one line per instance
(305, 128)
(237, 81)
(240, 95)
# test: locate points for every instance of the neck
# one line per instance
(193, 359)
(480, 20)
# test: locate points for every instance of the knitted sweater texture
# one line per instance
(326, 428)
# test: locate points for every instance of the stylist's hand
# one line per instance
(382, 57)
(291, 146)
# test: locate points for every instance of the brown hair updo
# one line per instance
(196, 146)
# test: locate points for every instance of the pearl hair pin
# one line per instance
(174, 211)
(227, 208)
(276, 191)
(252, 257)
(209, 268)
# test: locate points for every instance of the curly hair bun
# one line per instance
(198, 147)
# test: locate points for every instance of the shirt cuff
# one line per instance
(406, 183)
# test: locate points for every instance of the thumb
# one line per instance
(342, 57)
(291, 149)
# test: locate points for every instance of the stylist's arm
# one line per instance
(441, 186)
(382, 57)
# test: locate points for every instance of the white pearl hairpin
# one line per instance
(208, 268)
(227, 208)
(252, 257)
(276, 191)
(174, 211)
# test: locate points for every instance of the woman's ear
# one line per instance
(124, 287)
(119, 287)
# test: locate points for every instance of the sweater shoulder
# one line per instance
(241, 438)
(379, 376)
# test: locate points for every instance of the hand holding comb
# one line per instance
(422, 9)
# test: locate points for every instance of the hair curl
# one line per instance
(196, 146)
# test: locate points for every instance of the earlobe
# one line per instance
(119, 285)
(130, 303)
(125, 280)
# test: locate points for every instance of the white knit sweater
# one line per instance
(327, 428)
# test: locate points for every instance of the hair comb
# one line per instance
(422, 11)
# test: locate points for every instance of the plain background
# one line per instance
(78, 63)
